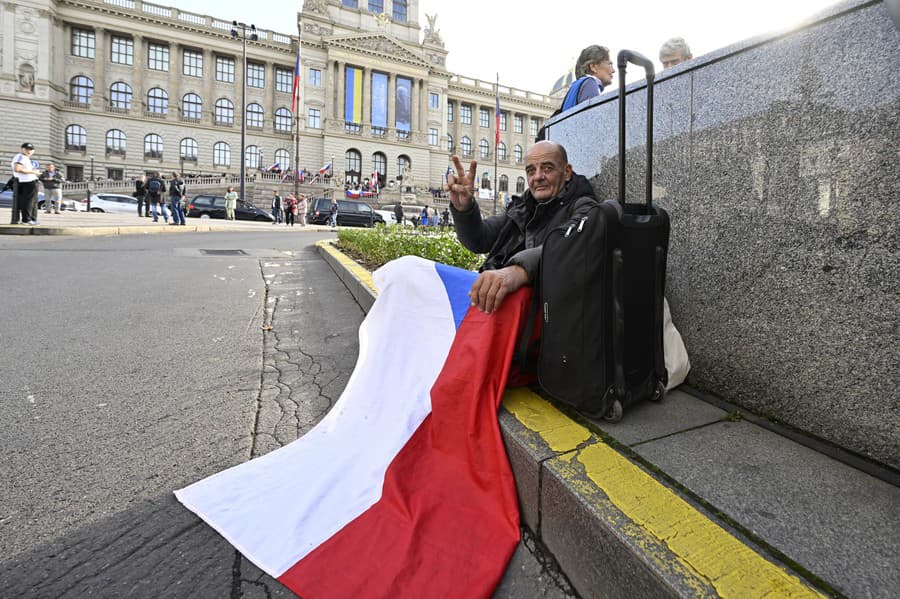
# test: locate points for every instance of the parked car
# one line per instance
(7, 196)
(213, 206)
(112, 202)
(351, 213)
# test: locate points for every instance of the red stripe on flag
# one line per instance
(497, 127)
(447, 522)
(296, 87)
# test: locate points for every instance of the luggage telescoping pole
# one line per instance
(624, 57)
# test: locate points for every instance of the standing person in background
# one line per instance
(276, 207)
(25, 190)
(51, 179)
(176, 199)
(674, 51)
(333, 213)
(398, 213)
(155, 188)
(594, 70)
(290, 206)
(424, 217)
(302, 207)
(140, 193)
(231, 197)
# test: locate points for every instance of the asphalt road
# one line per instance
(131, 366)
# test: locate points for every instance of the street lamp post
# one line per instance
(90, 184)
(241, 30)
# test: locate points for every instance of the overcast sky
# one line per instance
(532, 44)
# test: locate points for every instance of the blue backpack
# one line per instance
(154, 185)
(572, 95)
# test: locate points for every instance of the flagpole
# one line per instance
(496, 140)
(296, 99)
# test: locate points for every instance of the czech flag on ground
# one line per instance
(404, 488)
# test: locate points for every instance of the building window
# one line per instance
(400, 11)
(466, 146)
(187, 149)
(379, 167)
(153, 146)
(403, 166)
(376, 6)
(282, 159)
(221, 154)
(120, 95)
(284, 80)
(501, 151)
(517, 153)
(450, 147)
(192, 63)
(158, 57)
(158, 101)
(74, 172)
(283, 120)
(503, 121)
(76, 138)
(534, 127)
(81, 90)
(486, 180)
(256, 75)
(121, 50)
(224, 112)
(483, 148)
(450, 106)
(83, 43)
(520, 185)
(192, 106)
(115, 142)
(350, 3)
(255, 116)
(315, 77)
(465, 114)
(518, 124)
(115, 174)
(224, 69)
(434, 101)
(484, 118)
(253, 158)
(313, 118)
(433, 139)
(503, 185)
(353, 162)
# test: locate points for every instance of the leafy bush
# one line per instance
(375, 247)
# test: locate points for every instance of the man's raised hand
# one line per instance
(461, 185)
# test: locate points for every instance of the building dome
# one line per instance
(562, 84)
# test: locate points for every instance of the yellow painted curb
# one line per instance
(360, 273)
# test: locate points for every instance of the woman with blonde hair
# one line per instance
(231, 197)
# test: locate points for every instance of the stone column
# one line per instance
(391, 99)
(341, 90)
(367, 99)
(209, 75)
(174, 87)
(138, 76)
(101, 51)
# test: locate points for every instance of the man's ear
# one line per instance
(569, 173)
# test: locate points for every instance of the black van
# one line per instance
(213, 206)
(351, 213)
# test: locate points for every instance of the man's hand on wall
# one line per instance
(461, 185)
(492, 286)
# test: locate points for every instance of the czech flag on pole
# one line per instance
(404, 489)
(325, 169)
(295, 92)
(497, 118)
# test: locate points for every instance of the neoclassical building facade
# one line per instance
(115, 88)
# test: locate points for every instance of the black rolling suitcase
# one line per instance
(601, 292)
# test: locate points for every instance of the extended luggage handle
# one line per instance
(624, 57)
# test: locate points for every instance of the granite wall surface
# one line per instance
(778, 159)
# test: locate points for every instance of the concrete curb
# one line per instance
(615, 529)
(110, 230)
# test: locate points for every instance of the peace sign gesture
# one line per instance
(461, 185)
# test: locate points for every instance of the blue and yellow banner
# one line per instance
(353, 92)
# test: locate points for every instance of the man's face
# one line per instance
(27, 152)
(670, 60)
(546, 172)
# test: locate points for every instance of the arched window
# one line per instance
(192, 106)
(283, 120)
(503, 185)
(353, 165)
(224, 112)
(221, 154)
(153, 146)
(486, 180)
(520, 185)
(158, 101)
(483, 148)
(81, 90)
(120, 95)
(501, 151)
(450, 146)
(517, 153)
(253, 158)
(115, 142)
(466, 146)
(379, 167)
(283, 159)
(255, 116)
(76, 138)
(188, 149)
(403, 165)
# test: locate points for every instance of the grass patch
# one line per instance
(374, 247)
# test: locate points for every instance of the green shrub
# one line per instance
(375, 247)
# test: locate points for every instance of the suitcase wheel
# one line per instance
(614, 413)
(659, 393)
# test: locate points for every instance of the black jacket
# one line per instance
(516, 237)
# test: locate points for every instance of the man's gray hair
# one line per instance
(675, 45)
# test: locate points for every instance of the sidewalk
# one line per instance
(692, 498)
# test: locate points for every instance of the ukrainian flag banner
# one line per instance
(353, 91)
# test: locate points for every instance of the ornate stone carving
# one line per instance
(380, 45)
(25, 78)
(432, 33)
(316, 6)
(316, 29)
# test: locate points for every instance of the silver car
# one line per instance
(112, 202)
